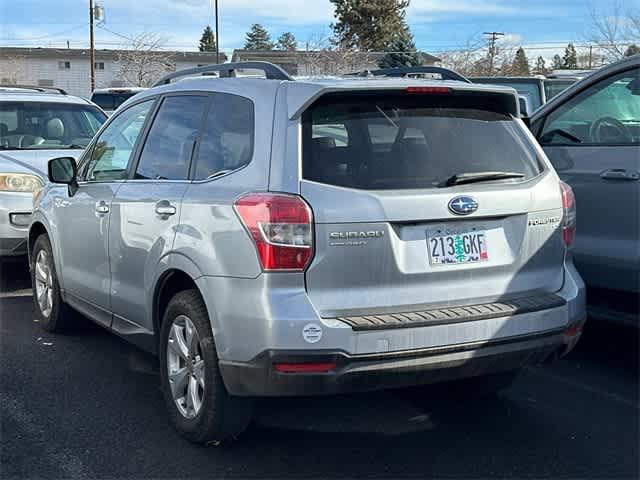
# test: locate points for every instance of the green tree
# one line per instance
(207, 40)
(632, 49)
(520, 65)
(557, 62)
(258, 38)
(287, 41)
(570, 58)
(402, 53)
(369, 25)
(541, 66)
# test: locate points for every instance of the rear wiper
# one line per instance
(462, 178)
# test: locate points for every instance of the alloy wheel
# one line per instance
(185, 366)
(44, 283)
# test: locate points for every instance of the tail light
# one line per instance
(304, 367)
(569, 217)
(281, 227)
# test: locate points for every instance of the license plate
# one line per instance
(457, 248)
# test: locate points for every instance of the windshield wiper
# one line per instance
(474, 177)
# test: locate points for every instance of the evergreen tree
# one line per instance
(557, 62)
(207, 41)
(286, 41)
(369, 25)
(402, 53)
(258, 38)
(570, 58)
(632, 49)
(541, 66)
(520, 65)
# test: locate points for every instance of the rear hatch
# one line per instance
(406, 217)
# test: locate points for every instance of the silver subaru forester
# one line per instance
(280, 237)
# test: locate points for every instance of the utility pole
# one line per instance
(492, 47)
(217, 38)
(92, 49)
(590, 56)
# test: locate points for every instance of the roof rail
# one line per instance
(271, 71)
(35, 87)
(405, 71)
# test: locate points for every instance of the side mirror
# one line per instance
(524, 110)
(63, 170)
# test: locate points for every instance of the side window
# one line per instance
(111, 153)
(227, 138)
(607, 113)
(167, 152)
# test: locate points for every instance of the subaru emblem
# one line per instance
(463, 205)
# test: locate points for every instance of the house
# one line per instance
(320, 62)
(69, 68)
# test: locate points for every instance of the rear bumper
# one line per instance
(278, 324)
(357, 373)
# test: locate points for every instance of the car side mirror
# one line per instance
(63, 170)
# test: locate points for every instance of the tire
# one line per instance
(58, 317)
(213, 415)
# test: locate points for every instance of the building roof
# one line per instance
(102, 54)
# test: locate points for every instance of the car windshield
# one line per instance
(405, 142)
(111, 101)
(47, 125)
(554, 86)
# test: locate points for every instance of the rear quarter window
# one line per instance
(411, 142)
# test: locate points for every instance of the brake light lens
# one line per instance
(428, 90)
(569, 217)
(281, 227)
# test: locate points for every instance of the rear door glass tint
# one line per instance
(169, 146)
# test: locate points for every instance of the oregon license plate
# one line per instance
(456, 248)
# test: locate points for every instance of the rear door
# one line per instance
(391, 236)
(593, 141)
(146, 209)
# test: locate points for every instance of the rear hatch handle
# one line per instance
(619, 174)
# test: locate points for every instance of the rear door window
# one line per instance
(411, 141)
(227, 136)
(167, 152)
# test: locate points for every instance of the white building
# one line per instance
(69, 68)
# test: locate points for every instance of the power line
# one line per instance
(41, 37)
(492, 47)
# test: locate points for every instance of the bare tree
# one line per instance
(13, 70)
(322, 56)
(474, 58)
(613, 30)
(142, 61)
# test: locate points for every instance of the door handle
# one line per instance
(619, 174)
(102, 207)
(165, 209)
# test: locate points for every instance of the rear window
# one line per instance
(110, 101)
(411, 141)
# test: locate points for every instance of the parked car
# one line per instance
(109, 99)
(537, 90)
(272, 237)
(591, 134)
(36, 125)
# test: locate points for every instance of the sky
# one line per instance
(544, 27)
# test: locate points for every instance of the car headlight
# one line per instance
(19, 182)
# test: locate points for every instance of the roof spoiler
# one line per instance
(37, 88)
(271, 71)
(406, 71)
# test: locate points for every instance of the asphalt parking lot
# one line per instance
(88, 405)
